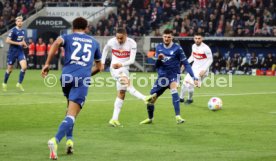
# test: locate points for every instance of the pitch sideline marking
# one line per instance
(105, 93)
(134, 99)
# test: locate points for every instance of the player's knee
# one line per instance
(185, 84)
(124, 81)
(24, 66)
(9, 70)
(23, 69)
(191, 89)
(122, 94)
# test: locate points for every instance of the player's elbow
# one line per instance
(57, 44)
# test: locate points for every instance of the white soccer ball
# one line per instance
(215, 104)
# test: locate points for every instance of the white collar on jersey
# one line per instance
(79, 32)
(169, 46)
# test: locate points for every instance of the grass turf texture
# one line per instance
(243, 131)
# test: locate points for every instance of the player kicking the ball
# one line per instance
(202, 58)
(123, 51)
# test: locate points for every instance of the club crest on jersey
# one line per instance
(199, 55)
(121, 53)
(166, 58)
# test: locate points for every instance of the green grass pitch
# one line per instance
(245, 130)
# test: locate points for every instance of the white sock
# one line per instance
(135, 93)
(117, 108)
(184, 89)
(191, 92)
(71, 117)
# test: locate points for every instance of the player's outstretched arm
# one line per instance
(104, 55)
(9, 41)
(188, 68)
(51, 54)
(97, 68)
(105, 52)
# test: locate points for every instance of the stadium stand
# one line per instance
(139, 18)
(229, 18)
(215, 18)
(9, 9)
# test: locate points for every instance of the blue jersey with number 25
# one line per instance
(80, 52)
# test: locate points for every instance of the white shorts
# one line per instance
(189, 81)
(117, 74)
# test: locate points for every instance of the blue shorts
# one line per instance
(163, 82)
(14, 54)
(74, 93)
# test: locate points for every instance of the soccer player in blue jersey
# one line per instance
(170, 56)
(17, 43)
(81, 50)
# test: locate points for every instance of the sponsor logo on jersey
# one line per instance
(199, 55)
(81, 63)
(20, 38)
(121, 53)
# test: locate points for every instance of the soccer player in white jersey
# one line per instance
(202, 57)
(123, 51)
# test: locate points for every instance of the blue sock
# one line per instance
(175, 101)
(21, 76)
(69, 134)
(7, 75)
(64, 127)
(150, 111)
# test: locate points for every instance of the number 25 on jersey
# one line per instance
(85, 50)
